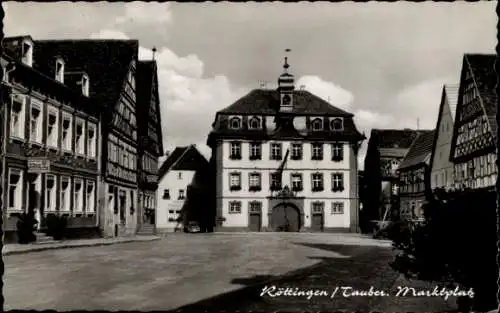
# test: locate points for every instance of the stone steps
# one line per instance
(42, 238)
(146, 230)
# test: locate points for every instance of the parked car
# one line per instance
(192, 227)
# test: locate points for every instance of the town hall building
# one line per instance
(285, 160)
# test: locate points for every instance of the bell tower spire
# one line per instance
(286, 86)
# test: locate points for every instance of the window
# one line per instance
(182, 196)
(275, 151)
(337, 124)
(317, 151)
(52, 129)
(77, 196)
(317, 124)
(337, 152)
(255, 207)
(275, 182)
(337, 181)
(17, 116)
(296, 182)
(90, 200)
(337, 207)
(254, 123)
(255, 151)
(15, 189)
(66, 133)
(179, 175)
(254, 182)
(27, 57)
(60, 70)
(65, 196)
(35, 123)
(166, 194)
(79, 147)
(296, 151)
(317, 181)
(235, 181)
(91, 140)
(85, 85)
(235, 123)
(235, 153)
(234, 207)
(50, 193)
(317, 207)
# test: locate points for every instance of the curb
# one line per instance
(42, 248)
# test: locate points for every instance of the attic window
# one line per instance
(317, 124)
(337, 124)
(60, 70)
(85, 85)
(235, 123)
(254, 123)
(27, 53)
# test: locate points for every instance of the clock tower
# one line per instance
(286, 87)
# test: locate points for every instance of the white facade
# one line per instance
(337, 205)
(171, 197)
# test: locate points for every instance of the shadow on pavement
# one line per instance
(361, 267)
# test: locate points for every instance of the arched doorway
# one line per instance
(285, 217)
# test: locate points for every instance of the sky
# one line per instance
(384, 62)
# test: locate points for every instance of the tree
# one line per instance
(454, 246)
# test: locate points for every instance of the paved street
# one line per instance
(201, 272)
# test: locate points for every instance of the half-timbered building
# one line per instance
(51, 144)
(385, 152)
(112, 65)
(414, 176)
(150, 146)
(473, 147)
(285, 160)
(440, 165)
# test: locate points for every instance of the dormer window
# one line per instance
(317, 124)
(60, 70)
(235, 123)
(337, 124)
(27, 53)
(85, 85)
(254, 123)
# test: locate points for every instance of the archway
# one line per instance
(285, 217)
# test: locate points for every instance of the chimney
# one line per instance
(154, 53)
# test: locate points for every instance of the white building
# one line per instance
(441, 166)
(179, 172)
(314, 142)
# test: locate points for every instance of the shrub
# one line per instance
(454, 246)
(25, 228)
(56, 226)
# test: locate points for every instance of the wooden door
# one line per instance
(286, 218)
(317, 222)
(254, 222)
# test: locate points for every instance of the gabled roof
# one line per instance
(420, 150)
(451, 93)
(106, 62)
(183, 159)
(146, 76)
(393, 138)
(485, 78)
(266, 101)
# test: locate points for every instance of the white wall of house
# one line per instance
(171, 196)
(306, 167)
(442, 168)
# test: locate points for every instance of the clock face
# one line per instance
(286, 100)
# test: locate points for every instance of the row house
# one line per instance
(473, 149)
(112, 65)
(414, 176)
(50, 136)
(441, 166)
(385, 152)
(150, 145)
(285, 160)
(183, 169)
